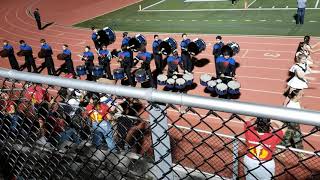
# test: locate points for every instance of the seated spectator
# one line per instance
(261, 143)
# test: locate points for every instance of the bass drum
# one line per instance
(106, 36)
(196, 46)
(167, 46)
(137, 42)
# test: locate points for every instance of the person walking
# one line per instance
(302, 4)
(37, 17)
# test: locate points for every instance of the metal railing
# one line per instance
(152, 138)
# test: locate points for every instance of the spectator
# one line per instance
(100, 117)
(8, 108)
(261, 144)
(301, 11)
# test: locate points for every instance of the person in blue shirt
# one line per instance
(185, 56)
(95, 37)
(125, 42)
(146, 57)
(124, 57)
(104, 60)
(226, 65)
(216, 49)
(68, 60)
(47, 51)
(173, 62)
(157, 54)
(12, 58)
(26, 51)
(88, 57)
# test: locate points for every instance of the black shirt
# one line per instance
(36, 15)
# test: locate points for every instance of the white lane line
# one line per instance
(279, 20)
(263, 20)
(245, 53)
(312, 21)
(247, 20)
(251, 3)
(153, 5)
(181, 20)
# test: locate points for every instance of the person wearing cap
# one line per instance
(99, 114)
(262, 135)
(226, 64)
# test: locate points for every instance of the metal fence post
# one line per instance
(160, 143)
(235, 167)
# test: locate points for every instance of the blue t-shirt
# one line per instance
(125, 41)
(25, 47)
(89, 55)
(125, 56)
(46, 47)
(184, 44)
(155, 46)
(94, 36)
(9, 48)
(106, 54)
(217, 49)
(67, 52)
(230, 60)
(173, 62)
(145, 56)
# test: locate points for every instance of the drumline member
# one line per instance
(299, 80)
(68, 60)
(12, 58)
(28, 56)
(94, 37)
(185, 56)
(88, 57)
(104, 60)
(126, 62)
(157, 54)
(261, 141)
(216, 50)
(173, 62)
(146, 58)
(48, 57)
(226, 65)
(125, 42)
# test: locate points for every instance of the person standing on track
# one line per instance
(12, 58)
(48, 57)
(88, 57)
(68, 60)
(216, 50)
(261, 140)
(185, 56)
(302, 4)
(28, 56)
(157, 54)
(104, 60)
(95, 38)
(146, 57)
(124, 57)
(37, 17)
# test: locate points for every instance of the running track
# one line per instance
(264, 61)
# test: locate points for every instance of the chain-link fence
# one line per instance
(54, 128)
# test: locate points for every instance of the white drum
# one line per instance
(204, 78)
(170, 83)
(212, 85)
(188, 78)
(162, 80)
(219, 81)
(233, 87)
(221, 89)
(180, 83)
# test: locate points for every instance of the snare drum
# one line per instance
(81, 70)
(221, 89)
(170, 83)
(4, 53)
(110, 33)
(161, 79)
(212, 85)
(219, 81)
(167, 46)
(137, 42)
(180, 83)
(196, 46)
(141, 75)
(233, 87)
(106, 36)
(204, 78)
(118, 74)
(188, 78)
(98, 71)
(174, 77)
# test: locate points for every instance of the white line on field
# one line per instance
(252, 3)
(153, 5)
(203, 10)
(317, 3)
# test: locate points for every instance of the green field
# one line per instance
(248, 22)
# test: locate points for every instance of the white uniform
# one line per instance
(295, 105)
(296, 82)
